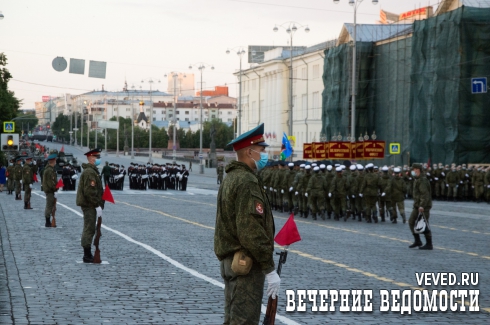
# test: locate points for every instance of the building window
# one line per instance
(128, 109)
(229, 120)
(186, 113)
(115, 109)
(170, 115)
(177, 112)
(154, 119)
(213, 116)
(303, 73)
(187, 119)
(178, 119)
(316, 71)
(163, 119)
(196, 119)
(229, 113)
(316, 105)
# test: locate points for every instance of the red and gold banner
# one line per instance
(319, 150)
(339, 150)
(307, 151)
(359, 150)
(374, 149)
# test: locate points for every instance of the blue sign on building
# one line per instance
(478, 85)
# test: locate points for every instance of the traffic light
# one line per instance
(10, 142)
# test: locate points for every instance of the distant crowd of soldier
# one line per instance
(158, 177)
(360, 192)
(113, 175)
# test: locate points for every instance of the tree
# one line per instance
(61, 127)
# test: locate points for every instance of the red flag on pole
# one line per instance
(107, 196)
(60, 183)
(289, 233)
(34, 178)
(62, 148)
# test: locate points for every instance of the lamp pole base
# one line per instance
(201, 169)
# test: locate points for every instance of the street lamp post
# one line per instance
(201, 66)
(291, 29)
(150, 81)
(355, 4)
(240, 51)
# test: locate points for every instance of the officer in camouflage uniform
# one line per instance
(466, 178)
(18, 178)
(27, 180)
(422, 203)
(329, 176)
(398, 192)
(314, 192)
(338, 192)
(358, 199)
(369, 191)
(353, 191)
(304, 207)
(10, 177)
(478, 180)
(244, 224)
(49, 187)
(408, 181)
(89, 198)
(384, 184)
(296, 189)
(452, 183)
(220, 171)
(437, 179)
(279, 190)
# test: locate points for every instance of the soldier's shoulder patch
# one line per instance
(92, 183)
(259, 207)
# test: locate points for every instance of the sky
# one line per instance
(143, 39)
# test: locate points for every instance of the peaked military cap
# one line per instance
(418, 166)
(28, 158)
(52, 156)
(252, 137)
(93, 152)
(18, 158)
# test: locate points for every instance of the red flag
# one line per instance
(289, 233)
(60, 183)
(62, 148)
(34, 178)
(107, 196)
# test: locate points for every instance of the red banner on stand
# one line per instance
(374, 149)
(319, 150)
(307, 151)
(339, 150)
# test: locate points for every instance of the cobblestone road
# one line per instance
(159, 266)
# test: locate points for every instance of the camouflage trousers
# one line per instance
(315, 200)
(49, 205)
(452, 190)
(414, 215)
(89, 219)
(359, 204)
(328, 204)
(303, 202)
(288, 197)
(220, 178)
(370, 205)
(18, 187)
(401, 208)
(438, 188)
(478, 191)
(243, 294)
(339, 203)
(10, 184)
(27, 193)
(385, 205)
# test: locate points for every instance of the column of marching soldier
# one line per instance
(364, 192)
(158, 177)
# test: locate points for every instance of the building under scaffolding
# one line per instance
(414, 86)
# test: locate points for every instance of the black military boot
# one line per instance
(417, 241)
(25, 205)
(307, 212)
(404, 218)
(382, 217)
(428, 244)
(29, 205)
(87, 255)
(359, 217)
(296, 210)
(313, 215)
(323, 215)
(329, 215)
(368, 219)
(394, 220)
(48, 222)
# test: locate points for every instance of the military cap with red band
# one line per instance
(252, 137)
(93, 152)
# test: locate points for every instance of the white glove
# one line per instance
(291, 189)
(74, 177)
(457, 186)
(6, 178)
(185, 176)
(329, 194)
(265, 187)
(436, 178)
(383, 194)
(55, 195)
(306, 194)
(443, 174)
(428, 174)
(447, 185)
(273, 284)
(460, 182)
(296, 193)
(488, 186)
(353, 196)
(21, 181)
(360, 194)
(99, 211)
(472, 187)
(30, 185)
(410, 178)
(275, 191)
(271, 189)
(467, 175)
(282, 191)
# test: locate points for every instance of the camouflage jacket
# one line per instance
(384, 184)
(478, 178)
(89, 193)
(49, 179)
(17, 172)
(244, 217)
(422, 196)
(369, 185)
(339, 186)
(10, 172)
(317, 183)
(27, 177)
(452, 178)
(288, 179)
(398, 189)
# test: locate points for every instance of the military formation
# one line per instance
(366, 193)
(114, 175)
(69, 176)
(158, 177)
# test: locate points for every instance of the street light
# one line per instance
(150, 81)
(1, 16)
(355, 4)
(175, 75)
(291, 28)
(240, 51)
(201, 66)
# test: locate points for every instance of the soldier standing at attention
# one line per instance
(244, 225)
(10, 177)
(422, 203)
(398, 191)
(49, 187)
(106, 172)
(18, 178)
(89, 198)
(27, 180)
(369, 191)
(220, 170)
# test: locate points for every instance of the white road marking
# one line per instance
(193, 272)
